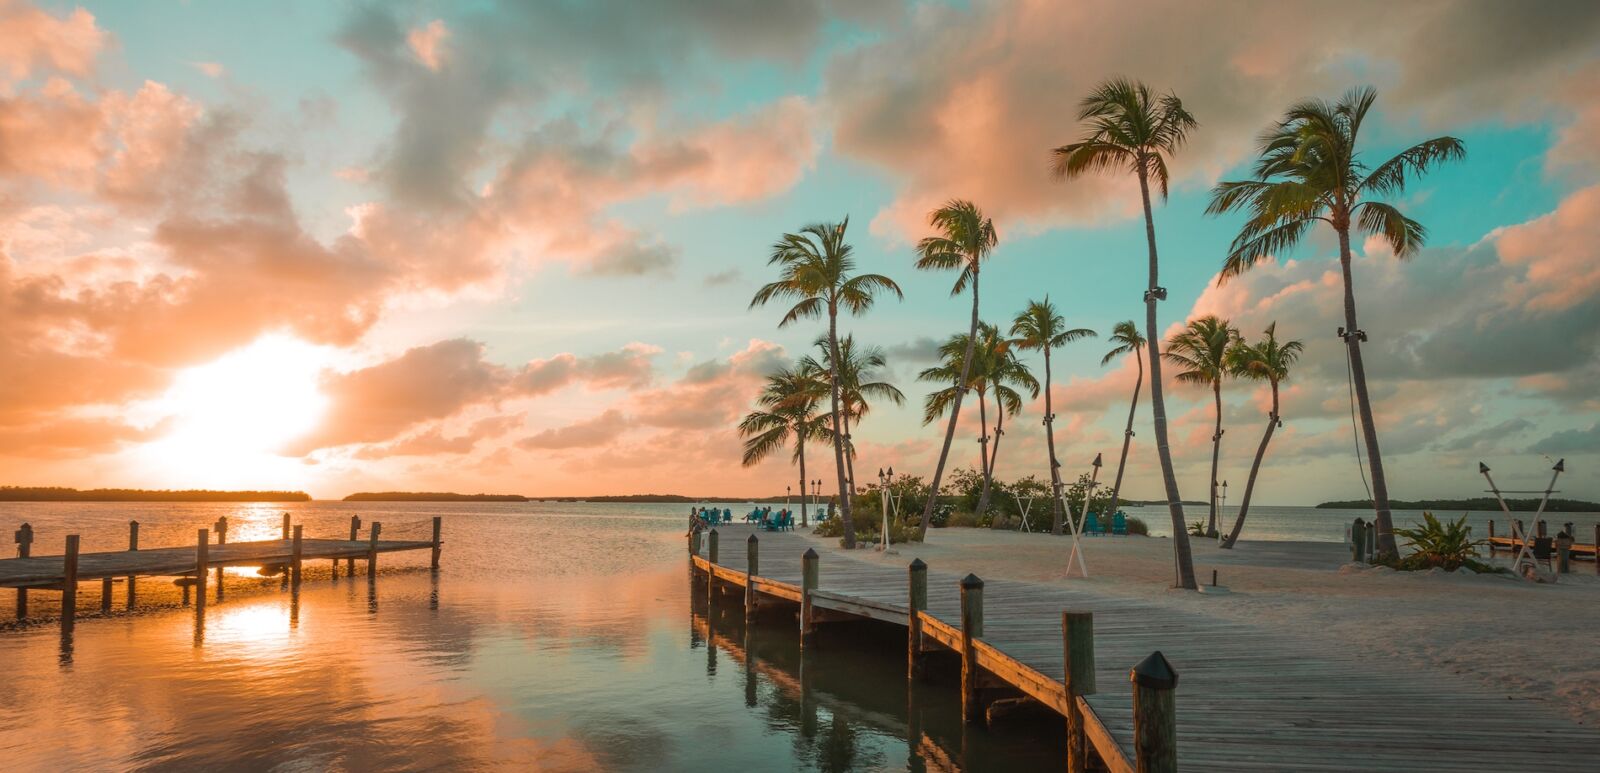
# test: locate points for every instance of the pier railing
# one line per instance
(983, 665)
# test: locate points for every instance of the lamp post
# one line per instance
(816, 487)
(786, 492)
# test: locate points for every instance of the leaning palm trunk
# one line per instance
(994, 454)
(838, 435)
(1216, 451)
(1127, 436)
(955, 411)
(849, 453)
(1050, 444)
(1255, 467)
(1369, 428)
(1158, 408)
(800, 451)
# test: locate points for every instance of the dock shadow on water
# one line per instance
(555, 639)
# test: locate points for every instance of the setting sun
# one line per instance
(230, 417)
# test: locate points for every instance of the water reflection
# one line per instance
(576, 661)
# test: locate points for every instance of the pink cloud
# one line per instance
(33, 41)
(427, 43)
(1559, 253)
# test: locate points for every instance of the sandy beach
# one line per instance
(1534, 642)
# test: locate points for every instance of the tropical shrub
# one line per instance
(1448, 546)
(963, 519)
(1138, 526)
(1197, 529)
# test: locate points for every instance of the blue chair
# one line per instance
(1091, 525)
(1119, 524)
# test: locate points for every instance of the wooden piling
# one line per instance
(808, 583)
(1539, 528)
(751, 572)
(355, 534)
(24, 538)
(295, 553)
(971, 628)
(438, 526)
(1077, 641)
(202, 562)
(69, 584)
(286, 525)
(917, 601)
(133, 544)
(694, 545)
(105, 595)
(711, 546)
(372, 550)
(711, 570)
(1155, 718)
(1358, 541)
(222, 539)
(1564, 556)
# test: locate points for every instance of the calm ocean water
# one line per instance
(556, 637)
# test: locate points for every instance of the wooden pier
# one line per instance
(1153, 688)
(190, 565)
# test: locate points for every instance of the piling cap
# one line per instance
(1561, 466)
(1154, 672)
(1482, 468)
(971, 581)
(810, 554)
(918, 566)
(713, 531)
(752, 539)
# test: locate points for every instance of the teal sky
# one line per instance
(514, 243)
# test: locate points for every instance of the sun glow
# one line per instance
(231, 418)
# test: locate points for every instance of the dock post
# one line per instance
(1539, 528)
(711, 546)
(24, 537)
(1077, 640)
(1519, 534)
(372, 550)
(694, 545)
(69, 585)
(295, 552)
(355, 533)
(133, 544)
(286, 524)
(711, 570)
(971, 629)
(808, 583)
(751, 572)
(1358, 541)
(105, 595)
(438, 525)
(917, 600)
(222, 539)
(1563, 556)
(202, 562)
(1155, 716)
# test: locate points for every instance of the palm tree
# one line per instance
(1040, 327)
(1004, 374)
(818, 272)
(1128, 341)
(1310, 171)
(965, 238)
(1201, 349)
(788, 410)
(859, 367)
(1133, 129)
(1269, 361)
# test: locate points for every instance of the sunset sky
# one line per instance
(509, 247)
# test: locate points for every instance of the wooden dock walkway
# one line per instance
(1249, 698)
(191, 565)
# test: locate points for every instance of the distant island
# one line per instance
(59, 494)
(1475, 503)
(430, 496)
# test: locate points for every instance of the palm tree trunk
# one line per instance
(1181, 554)
(1127, 434)
(1216, 451)
(1369, 428)
(849, 451)
(955, 411)
(994, 452)
(1255, 467)
(838, 434)
(1050, 443)
(800, 450)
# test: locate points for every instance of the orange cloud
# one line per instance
(32, 41)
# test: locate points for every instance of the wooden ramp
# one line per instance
(1248, 697)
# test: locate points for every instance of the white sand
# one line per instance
(1536, 642)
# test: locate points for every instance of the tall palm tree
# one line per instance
(860, 367)
(788, 409)
(1201, 350)
(965, 238)
(1310, 171)
(1133, 129)
(1128, 340)
(1268, 360)
(1040, 327)
(1005, 373)
(817, 271)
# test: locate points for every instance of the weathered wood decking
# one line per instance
(48, 571)
(1249, 697)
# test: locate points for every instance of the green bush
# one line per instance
(1138, 526)
(1448, 546)
(962, 519)
(1197, 529)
